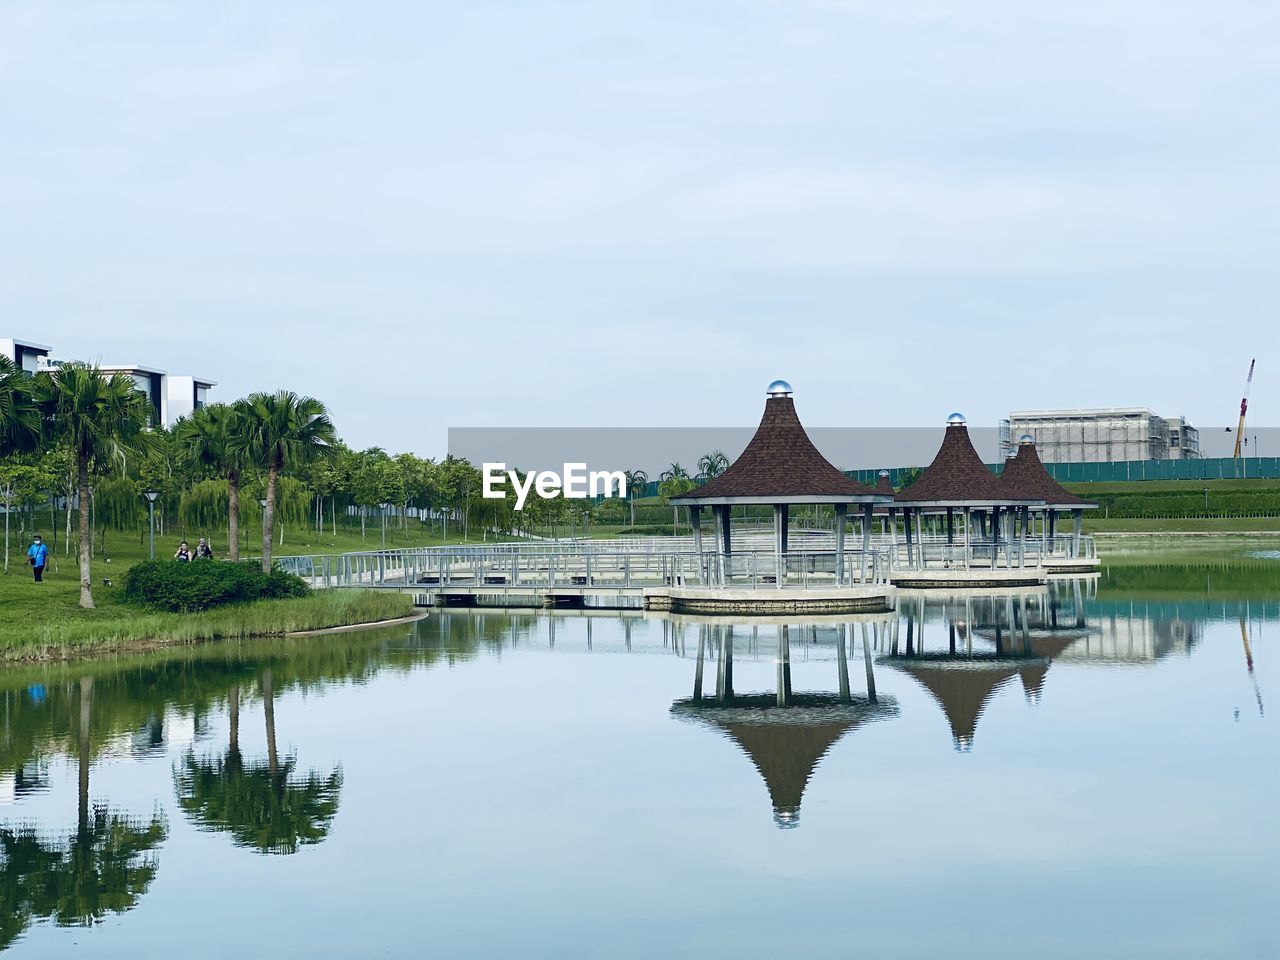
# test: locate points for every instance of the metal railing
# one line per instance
(504, 566)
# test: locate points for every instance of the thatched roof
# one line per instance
(780, 462)
(1025, 476)
(957, 475)
(961, 687)
(785, 744)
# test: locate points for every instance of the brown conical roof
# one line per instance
(883, 485)
(780, 461)
(961, 689)
(786, 755)
(1033, 680)
(1025, 476)
(957, 474)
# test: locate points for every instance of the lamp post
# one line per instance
(152, 496)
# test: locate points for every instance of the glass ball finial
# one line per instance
(1026, 438)
(779, 388)
(956, 420)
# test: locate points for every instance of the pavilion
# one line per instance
(962, 680)
(781, 468)
(1025, 476)
(958, 482)
(784, 733)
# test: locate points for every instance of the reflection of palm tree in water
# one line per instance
(105, 866)
(262, 806)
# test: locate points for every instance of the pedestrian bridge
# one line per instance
(669, 573)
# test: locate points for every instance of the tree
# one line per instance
(637, 484)
(373, 479)
(711, 465)
(20, 483)
(280, 431)
(263, 806)
(673, 486)
(205, 440)
(102, 419)
(19, 416)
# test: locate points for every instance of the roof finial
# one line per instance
(955, 420)
(779, 388)
(1025, 439)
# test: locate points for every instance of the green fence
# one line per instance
(1217, 468)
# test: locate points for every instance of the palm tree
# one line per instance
(99, 418)
(673, 472)
(263, 806)
(205, 438)
(671, 487)
(19, 416)
(637, 484)
(711, 465)
(281, 431)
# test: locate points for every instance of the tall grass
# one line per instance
(319, 610)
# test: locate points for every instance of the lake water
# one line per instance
(1086, 771)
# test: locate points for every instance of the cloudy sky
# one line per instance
(460, 214)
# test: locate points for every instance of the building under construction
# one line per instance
(1100, 435)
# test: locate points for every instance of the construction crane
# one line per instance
(1244, 407)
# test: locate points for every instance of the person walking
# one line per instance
(37, 556)
(203, 550)
(184, 553)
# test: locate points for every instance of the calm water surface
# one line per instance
(1083, 771)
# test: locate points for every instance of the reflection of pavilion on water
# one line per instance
(989, 640)
(784, 733)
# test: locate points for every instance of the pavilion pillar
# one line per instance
(866, 541)
(995, 535)
(784, 665)
(786, 524)
(906, 524)
(695, 520)
(1022, 544)
(724, 677)
(779, 541)
(866, 659)
(842, 659)
(697, 672)
(1077, 522)
(968, 519)
(951, 526)
(1053, 522)
(842, 515)
(893, 532)
(721, 514)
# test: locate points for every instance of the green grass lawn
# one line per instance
(1172, 486)
(1212, 525)
(45, 619)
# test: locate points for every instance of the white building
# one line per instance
(26, 354)
(1105, 434)
(171, 396)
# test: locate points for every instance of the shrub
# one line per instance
(203, 584)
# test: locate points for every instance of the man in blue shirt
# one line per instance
(37, 554)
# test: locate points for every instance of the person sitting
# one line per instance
(203, 550)
(184, 553)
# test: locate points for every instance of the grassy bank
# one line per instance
(36, 630)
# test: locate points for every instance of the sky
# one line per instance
(435, 215)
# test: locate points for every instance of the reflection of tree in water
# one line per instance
(265, 805)
(103, 867)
